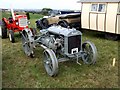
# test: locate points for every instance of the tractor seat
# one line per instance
(11, 20)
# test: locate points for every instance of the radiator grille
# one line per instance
(73, 43)
(23, 22)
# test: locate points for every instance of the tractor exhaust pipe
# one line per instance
(13, 14)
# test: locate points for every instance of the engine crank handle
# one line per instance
(78, 61)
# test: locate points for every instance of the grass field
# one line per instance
(20, 71)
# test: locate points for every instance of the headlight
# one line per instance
(16, 23)
(28, 22)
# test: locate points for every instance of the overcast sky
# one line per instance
(39, 4)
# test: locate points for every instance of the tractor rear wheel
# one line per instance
(11, 36)
(27, 44)
(4, 30)
(34, 31)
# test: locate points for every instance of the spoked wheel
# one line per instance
(27, 44)
(89, 52)
(4, 30)
(50, 62)
(11, 36)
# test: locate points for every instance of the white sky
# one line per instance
(39, 4)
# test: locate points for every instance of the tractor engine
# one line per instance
(52, 42)
(57, 38)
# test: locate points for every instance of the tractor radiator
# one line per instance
(23, 22)
(74, 44)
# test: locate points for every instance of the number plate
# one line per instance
(74, 50)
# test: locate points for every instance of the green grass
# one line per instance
(20, 71)
(6, 14)
(33, 18)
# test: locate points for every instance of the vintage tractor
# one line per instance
(60, 44)
(15, 24)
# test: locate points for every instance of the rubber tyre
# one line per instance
(11, 36)
(38, 24)
(44, 23)
(4, 30)
(63, 24)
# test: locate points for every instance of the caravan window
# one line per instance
(94, 7)
(101, 8)
(98, 7)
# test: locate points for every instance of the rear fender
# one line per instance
(5, 20)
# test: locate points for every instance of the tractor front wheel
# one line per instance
(50, 62)
(89, 52)
(11, 36)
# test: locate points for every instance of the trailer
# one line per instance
(101, 15)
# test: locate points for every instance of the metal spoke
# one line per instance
(25, 38)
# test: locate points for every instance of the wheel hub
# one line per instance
(47, 62)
